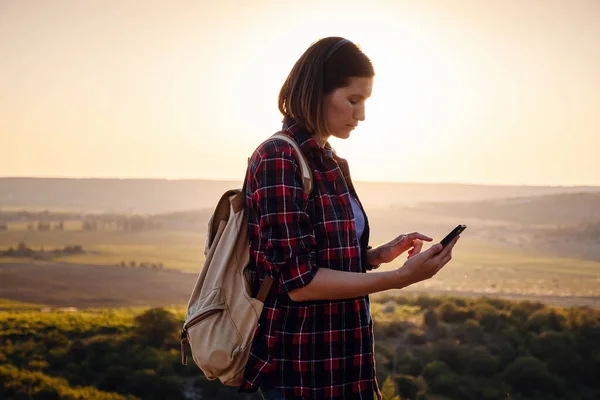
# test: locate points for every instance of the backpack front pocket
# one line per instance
(212, 333)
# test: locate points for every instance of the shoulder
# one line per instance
(273, 148)
(274, 162)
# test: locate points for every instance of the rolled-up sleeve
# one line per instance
(285, 229)
(365, 262)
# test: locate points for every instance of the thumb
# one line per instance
(435, 249)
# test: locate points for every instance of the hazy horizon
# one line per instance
(108, 178)
(466, 92)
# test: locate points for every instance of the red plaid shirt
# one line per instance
(311, 349)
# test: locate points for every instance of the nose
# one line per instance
(359, 113)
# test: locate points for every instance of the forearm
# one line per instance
(328, 284)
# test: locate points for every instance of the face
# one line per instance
(344, 108)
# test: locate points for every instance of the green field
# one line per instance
(180, 250)
(482, 267)
(477, 266)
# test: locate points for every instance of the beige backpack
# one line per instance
(221, 315)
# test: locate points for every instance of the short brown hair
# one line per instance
(314, 75)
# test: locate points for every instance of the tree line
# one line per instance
(426, 348)
(89, 223)
(24, 251)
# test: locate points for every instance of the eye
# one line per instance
(356, 99)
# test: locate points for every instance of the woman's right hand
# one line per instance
(426, 264)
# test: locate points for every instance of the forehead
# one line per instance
(359, 86)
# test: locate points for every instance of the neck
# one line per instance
(321, 139)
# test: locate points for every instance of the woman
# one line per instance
(315, 335)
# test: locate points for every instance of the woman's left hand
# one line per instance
(413, 242)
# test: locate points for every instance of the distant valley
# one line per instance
(136, 239)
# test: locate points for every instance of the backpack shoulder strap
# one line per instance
(265, 287)
(306, 172)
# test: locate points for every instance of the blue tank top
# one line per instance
(359, 221)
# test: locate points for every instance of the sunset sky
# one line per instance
(492, 92)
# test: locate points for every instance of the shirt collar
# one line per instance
(305, 139)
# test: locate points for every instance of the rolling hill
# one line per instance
(564, 209)
(162, 196)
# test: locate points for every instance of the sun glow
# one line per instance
(479, 92)
(417, 107)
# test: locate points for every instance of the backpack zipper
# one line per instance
(184, 332)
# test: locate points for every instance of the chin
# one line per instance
(343, 134)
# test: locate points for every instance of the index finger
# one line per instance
(417, 235)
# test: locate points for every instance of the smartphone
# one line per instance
(455, 232)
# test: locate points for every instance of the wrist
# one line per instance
(402, 278)
(373, 258)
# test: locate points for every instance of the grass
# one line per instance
(185, 258)
(484, 268)
(13, 305)
(390, 311)
(179, 250)
(11, 260)
(475, 253)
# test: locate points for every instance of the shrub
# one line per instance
(469, 332)
(477, 361)
(156, 326)
(546, 319)
(499, 304)
(409, 364)
(409, 386)
(427, 302)
(528, 375)
(389, 306)
(451, 313)
(388, 390)
(434, 369)
(430, 319)
(416, 337)
(489, 317)
(446, 351)
(559, 352)
(115, 379)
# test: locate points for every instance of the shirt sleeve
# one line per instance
(365, 263)
(285, 228)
